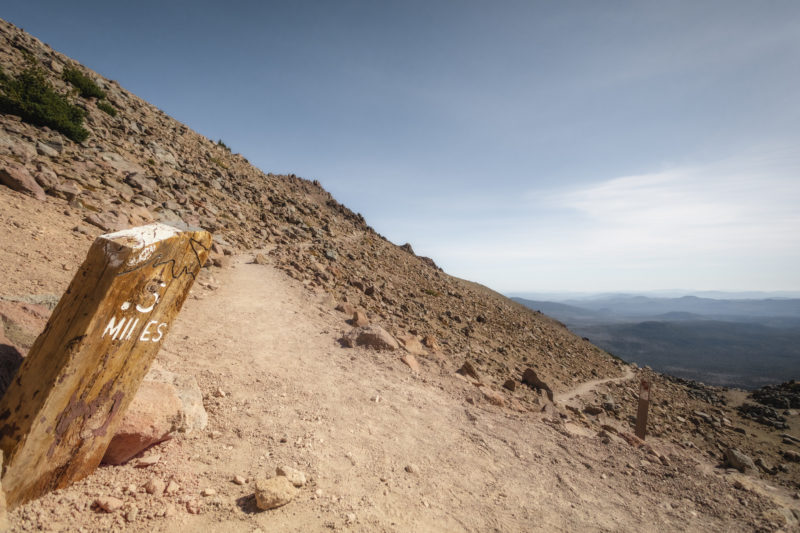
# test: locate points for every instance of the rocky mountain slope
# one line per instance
(138, 165)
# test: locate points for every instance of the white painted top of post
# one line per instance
(143, 236)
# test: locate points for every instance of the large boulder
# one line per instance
(164, 404)
(374, 337)
(16, 177)
(193, 416)
(151, 418)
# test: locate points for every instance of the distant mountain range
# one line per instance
(735, 342)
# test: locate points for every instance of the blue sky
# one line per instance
(530, 146)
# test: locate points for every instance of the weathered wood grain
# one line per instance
(62, 408)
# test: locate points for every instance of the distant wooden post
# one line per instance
(644, 406)
(68, 397)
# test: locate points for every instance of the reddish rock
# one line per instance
(193, 416)
(45, 177)
(151, 418)
(16, 177)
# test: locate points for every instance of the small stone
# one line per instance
(155, 486)
(132, 514)
(592, 409)
(531, 378)
(739, 460)
(411, 361)
(219, 393)
(359, 319)
(274, 492)
(239, 480)
(193, 507)
(346, 308)
(792, 455)
(172, 487)
(297, 478)
(108, 504)
(430, 343)
(468, 370)
(260, 259)
(350, 518)
(493, 397)
(150, 460)
(763, 465)
(208, 492)
(411, 468)
(510, 384)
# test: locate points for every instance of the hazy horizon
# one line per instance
(522, 145)
(556, 295)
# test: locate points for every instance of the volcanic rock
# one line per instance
(16, 177)
(273, 492)
(374, 337)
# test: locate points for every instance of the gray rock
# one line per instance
(121, 164)
(141, 182)
(739, 460)
(295, 476)
(46, 149)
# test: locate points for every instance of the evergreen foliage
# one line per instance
(83, 83)
(30, 96)
(107, 107)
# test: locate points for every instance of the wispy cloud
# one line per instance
(725, 225)
(731, 206)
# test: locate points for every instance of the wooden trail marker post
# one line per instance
(68, 397)
(644, 406)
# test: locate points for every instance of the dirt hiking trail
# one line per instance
(383, 449)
